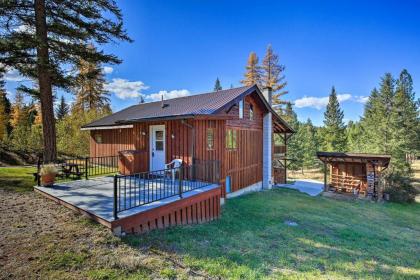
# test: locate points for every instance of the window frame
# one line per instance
(241, 108)
(251, 112)
(231, 139)
(210, 131)
(98, 138)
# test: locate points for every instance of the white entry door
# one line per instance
(157, 147)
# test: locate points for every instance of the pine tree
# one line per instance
(294, 144)
(4, 111)
(217, 85)
(62, 109)
(19, 113)
(253, 71)
(354, 134)
(376, 117)
(334, 136)
(272, 76)
(42, 38)
(404, 123)
(309, 145)
(90, 92)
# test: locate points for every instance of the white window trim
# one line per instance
(241, 109)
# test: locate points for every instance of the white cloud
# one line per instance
(319, 102)
(362, 99)
(108, 70)
(24, 29)
(13, 75)
(167, 94)
(125, 89)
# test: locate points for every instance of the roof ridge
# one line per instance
(198, 94)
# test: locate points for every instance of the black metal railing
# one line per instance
(77, 168)
(139, 189)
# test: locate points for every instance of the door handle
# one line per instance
(153, 154)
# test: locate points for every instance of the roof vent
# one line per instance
(163, 105)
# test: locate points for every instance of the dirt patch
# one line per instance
(40, 239)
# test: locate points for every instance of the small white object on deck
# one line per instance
(176, 163)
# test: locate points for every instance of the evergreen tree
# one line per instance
(19, 113)
(42, 38)
(334, 136)
(309, 145)
(376, 117)
(294, 144)
(62, 109)
(404, 123)
(90, 91)
(272, 76)
(5, 108)
(253, 71)
(142, 99)
(217, 85)
(354, 134)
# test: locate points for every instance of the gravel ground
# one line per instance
(40, 239)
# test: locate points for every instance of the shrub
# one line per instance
(399, 188)
(48, 169)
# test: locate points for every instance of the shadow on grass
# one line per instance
(17, 178)
(332, 239)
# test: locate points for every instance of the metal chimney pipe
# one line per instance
(267, 142)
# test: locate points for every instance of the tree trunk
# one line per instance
(45, 86)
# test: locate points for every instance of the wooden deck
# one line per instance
(94, 198)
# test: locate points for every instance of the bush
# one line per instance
(399, 188)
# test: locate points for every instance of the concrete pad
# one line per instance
(311, 187)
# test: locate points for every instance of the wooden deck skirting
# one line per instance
(199, 208)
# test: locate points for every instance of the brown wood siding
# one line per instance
(243, 164)
(245, 122)
(200, 208)
(179, 137)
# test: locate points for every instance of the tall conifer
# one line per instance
(273, 75)
(62, 109)
(42, 38)
(217, 85)
(253, 71)
(334, 136)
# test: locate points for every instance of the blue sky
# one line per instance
(180, 47)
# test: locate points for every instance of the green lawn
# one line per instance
(333, 239)
(17, 178)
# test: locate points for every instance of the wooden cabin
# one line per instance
(353, 173)
(224, 126)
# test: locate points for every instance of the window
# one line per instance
(210, 139)
(241, 109)
(159, 140)
(251, 112)
(231, 139)
(98, 138)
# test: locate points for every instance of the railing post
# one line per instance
(86, 167)
(38, 170)
(115, 210)
(180, 181)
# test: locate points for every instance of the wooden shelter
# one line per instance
(352, 172)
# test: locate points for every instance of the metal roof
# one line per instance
(353, 157)
(188, 106)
